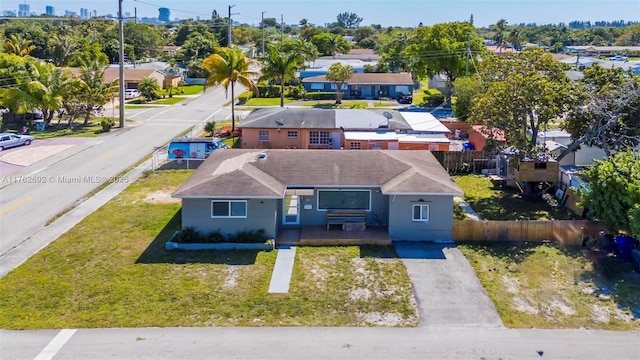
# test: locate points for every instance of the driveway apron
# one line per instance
(447, 289)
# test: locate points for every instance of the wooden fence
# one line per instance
(453, 161)
(564, 232)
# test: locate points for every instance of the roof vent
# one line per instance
(262, 155)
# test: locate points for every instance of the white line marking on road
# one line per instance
(56, 344)
(212, 115)
(37, 171)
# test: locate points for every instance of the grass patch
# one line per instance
(188, 90)
(111, 270)
(384, 104)
(233, 142)
(505, 203)
(458, 213)
(53, 130)
(168, 100)
(127, 106)
(543, 286)
(267, 101)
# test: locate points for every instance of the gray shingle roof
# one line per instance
(237, 173)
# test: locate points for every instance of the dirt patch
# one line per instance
(523, 305)
(232, 277)
(160, 197)
(380, 319)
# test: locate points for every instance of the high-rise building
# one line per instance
(164, 15)
(49, 10)
(24, 10)
(84, 13)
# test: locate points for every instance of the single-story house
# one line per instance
(601, 50)
(584, 155)
(133, 77)
(479, 135)
(364, 86)
(352, 129)
(408, 192)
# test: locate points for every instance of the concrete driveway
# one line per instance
(447, 289)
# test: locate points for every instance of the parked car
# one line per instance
(9, 140)
(618, 58)
(131, 94)
(405, 98)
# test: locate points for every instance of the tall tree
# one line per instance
(93, 91)
(281, 66)
(442, 48)
(339, 74)
(149, 88)
(520, 93)
(229, 66)
(348, 20)
(614, 191)
(499, 37)
(330, 44)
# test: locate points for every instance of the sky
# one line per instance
(405, 13)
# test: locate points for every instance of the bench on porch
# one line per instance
(351, 220)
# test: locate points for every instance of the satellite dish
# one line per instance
(387, 114)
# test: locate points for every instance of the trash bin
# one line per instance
(40, 125)
(625, 245)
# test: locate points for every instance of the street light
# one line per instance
(262, 27)
(121, 59)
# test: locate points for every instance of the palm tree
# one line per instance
(303, 23)
(93, 92)
(308, 50)
(231, 65)
(337, 44)
(339, 74)
(149, 88)
(499, 38)
(281, 66)
(210, 128)
(515, 38)
(15, 44)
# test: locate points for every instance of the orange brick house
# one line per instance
(350, 129)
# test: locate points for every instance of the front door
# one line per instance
(291, 210)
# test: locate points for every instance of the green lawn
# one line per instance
(168, 100)
(505, 204)
(53, 130)
(543, 286)
(111, 270)
(189, 90)
(267, 101)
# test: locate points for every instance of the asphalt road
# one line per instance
(56, 184)
(318, 343)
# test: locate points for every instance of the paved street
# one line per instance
(52, 185)
(319, 343)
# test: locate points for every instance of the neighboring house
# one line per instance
(479, 136)
(352, 129)
(440, 82)
(169, 49)
(132, 77)
(585, 155)
(408, 192)
(321, 66)
(590, 50)
(582, 62)
(364, 86)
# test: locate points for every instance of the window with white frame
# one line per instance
(292, 134)
(319, 138)
(421, 213)
(402, 88)
(228, 209)
(345, 86)
(355, 145)
(317, 86)
(263, 135)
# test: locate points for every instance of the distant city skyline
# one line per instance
(408, 13)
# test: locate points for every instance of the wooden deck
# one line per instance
(320, 236)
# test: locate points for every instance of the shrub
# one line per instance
(269, 91)
(297, 92)
(433, 97)
(328, 95)
(188, 235)
(214, 237)
(244, 97)
(250, 236)
(358, 106)
(106, 124)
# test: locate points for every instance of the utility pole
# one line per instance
(229, 40)
(262, 28)
(282, 27)
(468, 50)
(121, 77)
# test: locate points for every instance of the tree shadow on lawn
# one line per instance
(508, 205)
(155, 253)
(380, 252)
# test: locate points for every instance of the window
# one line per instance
(402, 88)
(421, 213)
(540, 165)
(228, 209)
(317, 86)
(319, 138)
(292, 134)
(344, 199)
(345, 86)
(356, 145)
(376, 145)
(263, 135)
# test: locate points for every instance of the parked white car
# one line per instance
(9, 140)
(618, 58)
(131, 94)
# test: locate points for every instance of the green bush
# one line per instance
(433, 97)
(329, 95)
(357, 106)
(214, 237)
(188, 235)
(106, 124)
(249, 236)
(244, 97)
(297, 92)
(268, 91)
